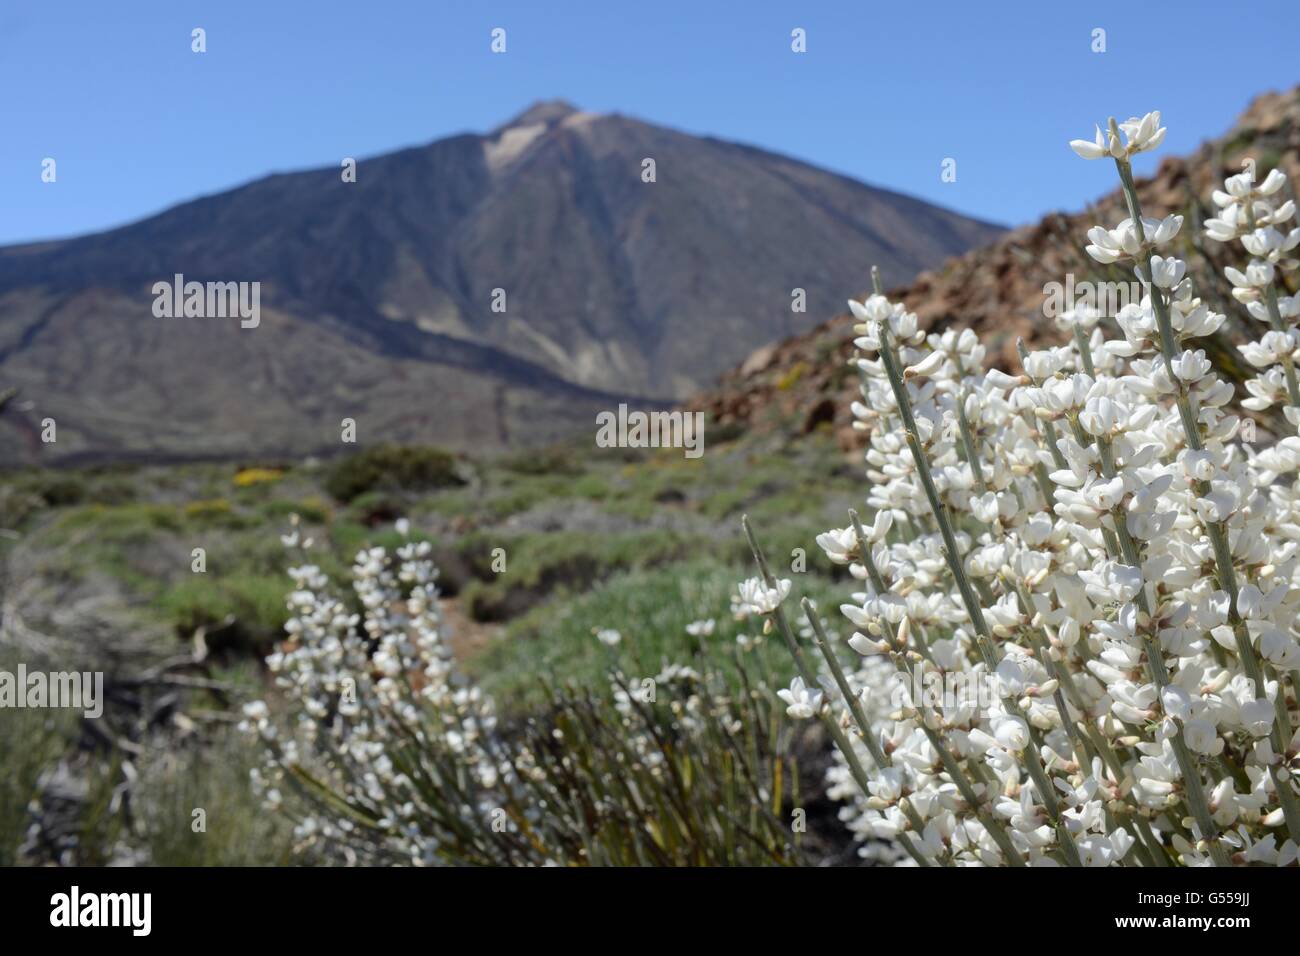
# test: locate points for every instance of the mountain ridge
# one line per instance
(610, 287)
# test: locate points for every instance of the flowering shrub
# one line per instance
(380, 714)
(248, 477)
(398, 758)
(1092, 539)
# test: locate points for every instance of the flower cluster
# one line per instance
(1254, 215)
(380, 712)
(397, 758)
(1092, 539)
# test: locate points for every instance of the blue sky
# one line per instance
(885, 92)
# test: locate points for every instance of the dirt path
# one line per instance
(466, 637)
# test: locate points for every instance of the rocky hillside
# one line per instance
(998, 290)
(482, 290)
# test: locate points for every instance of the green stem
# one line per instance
(984, 637)
(810, 679)
(855, 705)
(1085, 351)
(868, 559)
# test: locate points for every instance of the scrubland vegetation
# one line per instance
(588, 540)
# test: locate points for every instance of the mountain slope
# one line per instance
(378, 295)
(998, 290)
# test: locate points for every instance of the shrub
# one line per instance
(60, 489)
(212, 512)
(400, 759)
(540, 565)
(17, 504)
(721, 433)
(392, 467)
(248, 477)
(249, 606)
(312, 510)
(1101, 562)
(550, 461)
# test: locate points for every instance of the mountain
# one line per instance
(998, 290)
(484, 290)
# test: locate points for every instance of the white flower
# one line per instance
(1269, 350)
(1144, 133)
(840, 544)
(1139, 135)
(1096, 148)
(880, 526)
(1004, 614)
(256, 710)
(1011, 678)
(1167, 272)
(1268, 243)
(1223, 803)
(1112, 582)
(1257, 716)
(927, 366)
(1177, 702)
(609, 637)
(1274, 181)
(1111, 245)
(1279, 648)
(757, 598)
(1011, 733)
(802, 702)
(878, 312)
(1202, 737)
(1192, 366)
(1248, 285)
(701, 628)
(887, 785)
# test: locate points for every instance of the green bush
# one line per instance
(254, 601)
(216, 513)
(392, 467)
(556, 460)
(540, 565)
(17, 505)
(311, 510)
(60, 490)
